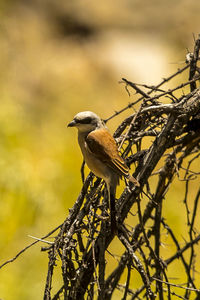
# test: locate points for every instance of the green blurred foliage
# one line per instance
(58, 58)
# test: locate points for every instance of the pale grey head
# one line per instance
(86, 121)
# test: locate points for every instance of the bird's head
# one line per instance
(86, 121)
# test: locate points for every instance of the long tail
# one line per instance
(111, 197)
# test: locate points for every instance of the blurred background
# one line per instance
(58, 58)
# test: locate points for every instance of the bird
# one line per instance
(100, 152)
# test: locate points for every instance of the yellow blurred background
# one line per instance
(58, 58)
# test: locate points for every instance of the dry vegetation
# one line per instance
(56, 59)
(83, 242)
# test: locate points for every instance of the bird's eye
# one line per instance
(87, 120)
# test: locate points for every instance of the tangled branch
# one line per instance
(162, 139)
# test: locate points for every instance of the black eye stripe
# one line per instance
(85, 121)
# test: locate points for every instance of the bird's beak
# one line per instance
(72, 123)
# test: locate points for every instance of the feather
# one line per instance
(103, 146)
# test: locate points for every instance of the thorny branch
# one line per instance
(162, 139)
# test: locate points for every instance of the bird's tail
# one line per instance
(113, 213)
(111, 195)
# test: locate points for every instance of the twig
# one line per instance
(41, 240)
(139, 266)
(29, 246)
(177, 285)
(193, 63)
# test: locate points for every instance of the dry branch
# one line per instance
(84, 237)
(168, 125)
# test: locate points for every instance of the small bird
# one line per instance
(101, 154)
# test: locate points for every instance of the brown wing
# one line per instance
(101, 143)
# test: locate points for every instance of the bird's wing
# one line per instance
(102, 145)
